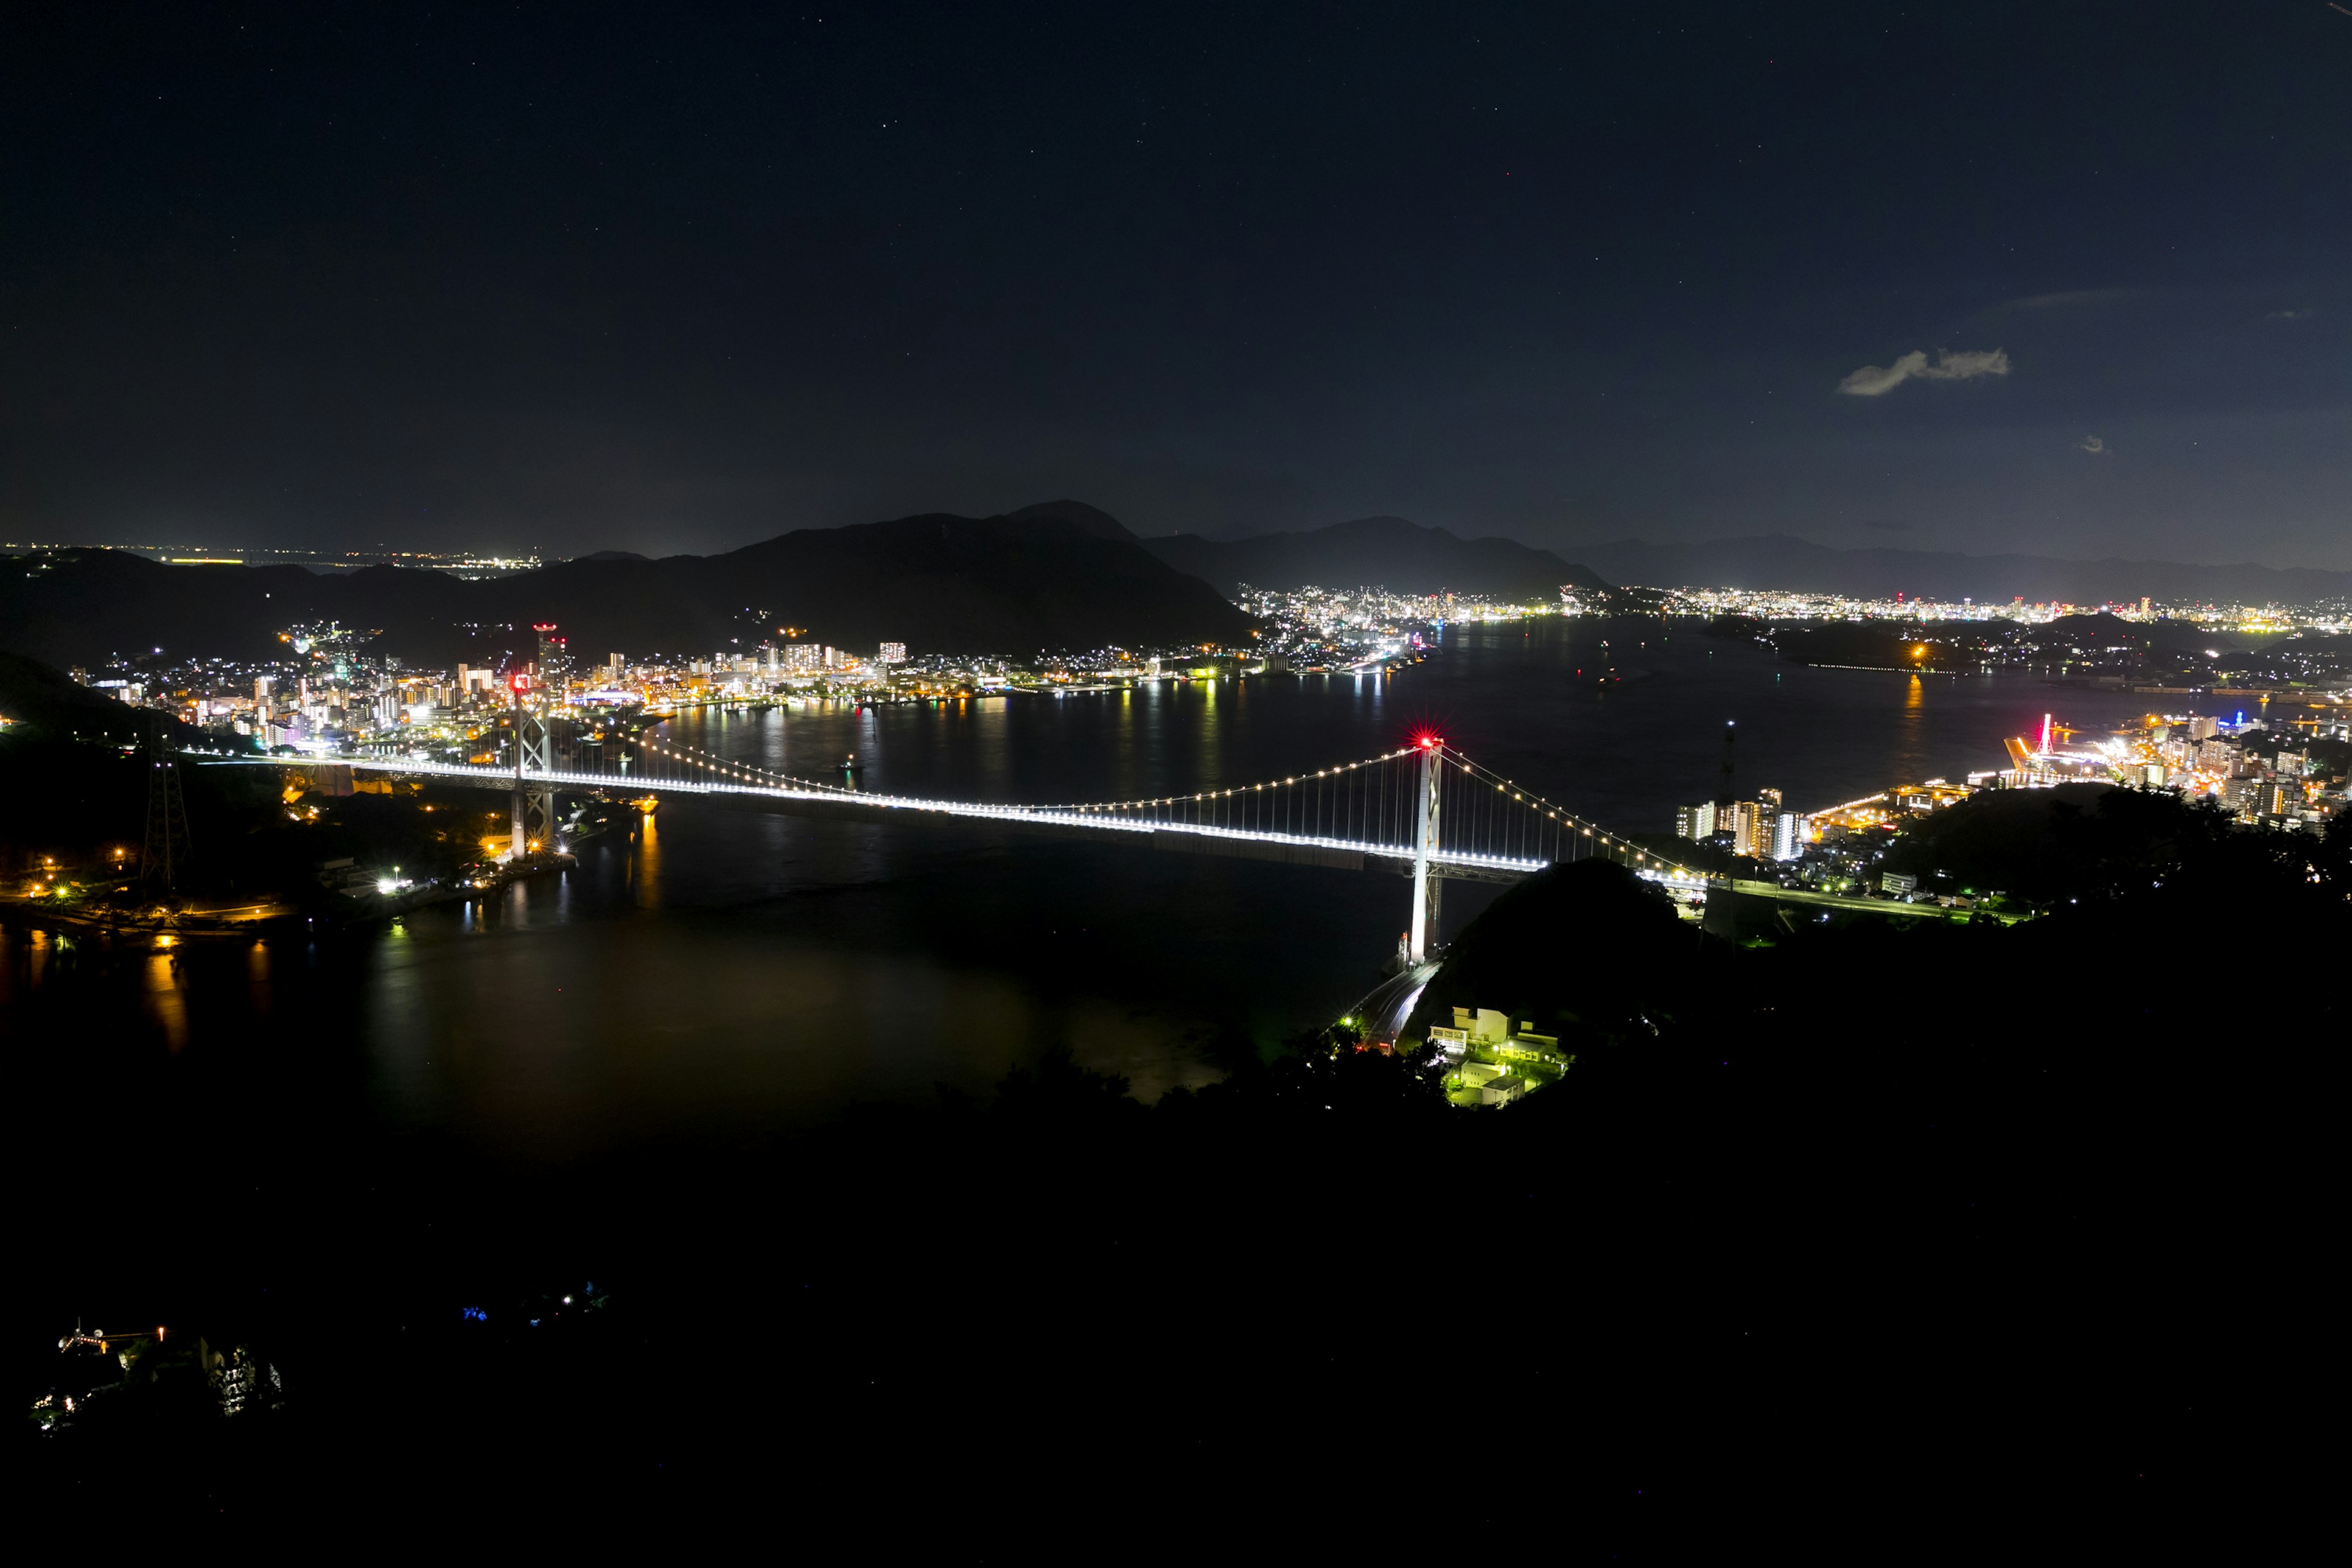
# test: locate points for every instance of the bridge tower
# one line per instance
(1424, 845)
(538, 752)
(533, 817)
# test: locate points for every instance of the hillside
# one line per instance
(1054, 576)
(46, 700)
(1780, 561)
(1629, 950)
(1384, 552)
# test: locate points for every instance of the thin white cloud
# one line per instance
(1875, 381)
(1969, 362)
(2093, 445)
(1872, 380)
(2068, 300)
(2287, 316)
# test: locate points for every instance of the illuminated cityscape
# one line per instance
(1015, 783)
(2330, 617)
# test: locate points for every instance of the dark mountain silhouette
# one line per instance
(1061, 575)
(1078, 514)
(1385, 551)
(48, 699)
(1780, 561)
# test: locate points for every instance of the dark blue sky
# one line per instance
(2073, 279)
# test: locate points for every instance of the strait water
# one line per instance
(727, 974)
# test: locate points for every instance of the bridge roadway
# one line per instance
(1381, 1015)
(1339, 854)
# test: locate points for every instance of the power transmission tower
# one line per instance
(166, 857)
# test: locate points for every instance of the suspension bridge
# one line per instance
(1425, 809)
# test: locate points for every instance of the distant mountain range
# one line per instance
(1778, 561)
(1381, 552)
(1060, 575)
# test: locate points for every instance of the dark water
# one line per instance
(731, 974)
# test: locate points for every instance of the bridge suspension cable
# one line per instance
(1554, 825)
(1371, 802)
(694, 759)
(1483, 823)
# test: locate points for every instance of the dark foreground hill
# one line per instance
(1384, 552)
(1061, 575)
(1861, 1234)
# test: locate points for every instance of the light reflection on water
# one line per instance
(716, 972)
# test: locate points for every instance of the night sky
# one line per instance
(2073, 279)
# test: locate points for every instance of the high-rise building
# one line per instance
(892, 653)
(1788, 835)
(2202, 728)
(613, 665)
(1770, 797)
(803, 657)
(1751, 828)
(1694, 822)
(554, 663)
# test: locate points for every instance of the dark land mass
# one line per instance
(2167, 653)
(1377, 551)
(1057, 576)
(2042, 846)
(74, 795)
(1868, 1233)
(53, 703)
(1782, 560)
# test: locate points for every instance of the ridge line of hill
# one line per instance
(1393, 552)
(1058, 575)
